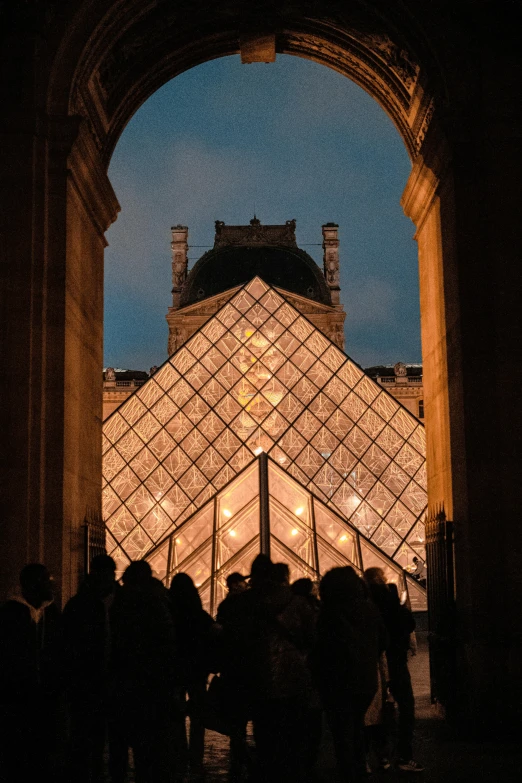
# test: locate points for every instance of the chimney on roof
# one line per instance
(179, 247)
(331, 260)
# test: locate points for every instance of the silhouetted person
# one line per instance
(236, 584)
(30, 679)
(349, 640)
(400, 624)
(273, 634)
(307, 590)
(195, 644)
(142, 678)
(87, 648)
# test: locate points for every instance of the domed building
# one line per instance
(259, 433)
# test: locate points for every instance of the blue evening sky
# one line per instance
(294, 138)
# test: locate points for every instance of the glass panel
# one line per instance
(287, 344)
(237, 533)
(286, 314)
(228, 345)
(238, 494)
(361, 479)
(192, 482)
(298, 568)
(290, 407)
(350, 374)
(287, 529)
(366, 519)
(317, 343)
(259, 408)
(137, 544)
(257, 288)
(227, 408)
(131, 410)
(183, 360)
(125, 483)
(301, 328)
(164, 409)
(330, 558)
(177, 463)
(305, 390)
(288, 493)
(192, 534)
(307, 424)
(112, 464)
(140, 502)
(243, 425)
(166, 376)
(417, 540)
(418, 440)
(390, 441)
(273, 359)
(417, 597)
(338, 534)
(400, 518)
(339, 423)
(195, 409)
(272, 329)
(271, 301)
(386, 539)
(298, 474)
(162, 445)
(181, 392)
(121, 523)
(144, 463)
(367, 389)
(404, 557)
(421, 477)
(174, 502)
(376, 459)
(303, 359)
(129, 445)
(243, 301)
(333, 357)
(325, 442)
(385, 406)
(194, 444)
(343, 460)
(403, 422)
(395, 478)
(346, 500)
(212, 392)
(259, 442)
(258, 315)
(309, 461)
(110, 501)
(156, 523)
(357, 441)
(212, 426)
(178, 426)
(106, 444)
(336, 390)
(198, 345)
(258, 375)
(210, 462)
(275, 425)
(197, 376)
(199, 567)
(223, 477)
(149, 393)
(327, 480)
(415, 498)
(409, 459)
(147, 427)
(213, 330)
(353, 406)
(115, 427)
(371, 423)
(322, 407)
(381, 499)
(227, 444)
(228, 315)
(158, 561)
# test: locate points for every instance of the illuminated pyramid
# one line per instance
(259, 377)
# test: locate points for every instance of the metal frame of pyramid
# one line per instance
(258, 376)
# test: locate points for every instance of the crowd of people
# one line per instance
(125, 665)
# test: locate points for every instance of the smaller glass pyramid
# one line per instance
(296, 528)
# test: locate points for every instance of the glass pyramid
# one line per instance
(265, 509)
(258, 376)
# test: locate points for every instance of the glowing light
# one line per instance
(258, 450)
(232, 533)
(227, 513)
(343, 538)
(295, 531)
(178, 540)
(249, 332)
(299, 511)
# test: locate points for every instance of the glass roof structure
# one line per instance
(259, 377)
(265, 509)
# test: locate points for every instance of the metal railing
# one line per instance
(441, 610)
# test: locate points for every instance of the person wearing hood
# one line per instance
(30, 679)
(350, 639)
(87, 649)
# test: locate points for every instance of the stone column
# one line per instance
(179, 262)
(331, 260)
(464, 198)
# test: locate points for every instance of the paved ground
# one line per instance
(446, 760)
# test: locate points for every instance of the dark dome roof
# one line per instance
(226, 267)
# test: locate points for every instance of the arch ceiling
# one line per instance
(130, 48)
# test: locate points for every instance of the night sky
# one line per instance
(291, 139)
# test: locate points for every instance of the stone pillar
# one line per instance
(179, 247)
(464, 198)
(57, 203)
(331, 260)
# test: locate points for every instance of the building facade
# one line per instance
(402, 381)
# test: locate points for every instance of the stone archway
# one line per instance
(73, 76)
